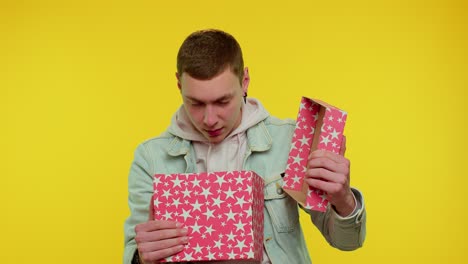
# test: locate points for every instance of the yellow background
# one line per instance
(83, 82)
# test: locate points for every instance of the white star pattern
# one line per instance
(249, 189)
(210, 256)
(304, 141)
(220, 180)
(186, 214)
(167, 193)
(231, 236)
(231, 215)
(323, 196)
(198, 249)
(239, 180)
(240, 201)
(156, 181)
(248, 212)
(334, 134)
(240, 226)
(209, 229)
(196, 228)
(229, 193)
(177, 182)
(297, 159)
(156, 202)
(296, 179)
(186, 193)
(206, 192)
(232, 255)
(188, 256)
(208, 214)
(240, 244)
(218, 244)
(325, 140)
(302, 106)
(196, 206)
(168, 215)
(217, 201)
(196, 182)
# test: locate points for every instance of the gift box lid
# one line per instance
(318, 126)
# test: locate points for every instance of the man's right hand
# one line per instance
(157, 239)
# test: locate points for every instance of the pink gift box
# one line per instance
(223, 212)
(318, 126)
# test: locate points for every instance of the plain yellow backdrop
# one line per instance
(83, 82)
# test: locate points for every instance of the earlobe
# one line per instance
(178, 80)
(245, 81)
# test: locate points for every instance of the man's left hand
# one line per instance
(329, 172)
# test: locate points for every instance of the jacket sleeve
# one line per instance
(344, 233)
(140, 191)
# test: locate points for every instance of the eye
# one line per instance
(224, 102)
(196, 104)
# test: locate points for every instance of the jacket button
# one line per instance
(279, 190)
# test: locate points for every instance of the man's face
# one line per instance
(214, 106)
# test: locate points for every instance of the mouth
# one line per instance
(215, 132)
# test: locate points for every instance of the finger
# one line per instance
(327, 187)
(162, 244)
(320, 153)
(328, 164)
(149, 257)
(155, 225)
(160, 235)
(142, 237)
(343, 146)
(326, 175)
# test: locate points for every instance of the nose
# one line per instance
(209, 118)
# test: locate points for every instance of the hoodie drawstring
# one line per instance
(208, 157)
(240, 155)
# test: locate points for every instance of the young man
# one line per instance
(218, 129)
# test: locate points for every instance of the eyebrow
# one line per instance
(222, 98)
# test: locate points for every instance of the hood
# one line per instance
(253, 112)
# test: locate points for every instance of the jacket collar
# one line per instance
(258, 139)
(178, 146)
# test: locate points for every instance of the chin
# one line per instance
(217, 139)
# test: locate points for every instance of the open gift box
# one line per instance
(318, 126)
(223, 212)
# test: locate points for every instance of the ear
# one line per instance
(178, 80)
(245, 80)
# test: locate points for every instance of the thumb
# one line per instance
(151, 209)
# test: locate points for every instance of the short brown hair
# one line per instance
(206, 53)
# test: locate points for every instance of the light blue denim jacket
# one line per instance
(267, 153)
